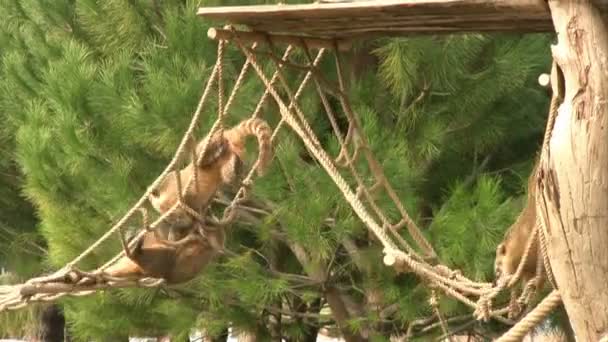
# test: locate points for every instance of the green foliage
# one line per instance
(97, 94)
(481, 212)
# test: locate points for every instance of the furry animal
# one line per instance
(219, 166)
(177, 251)
(176, 263)
(510, 251)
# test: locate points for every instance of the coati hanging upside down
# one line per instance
(510, 251)
(154, 256)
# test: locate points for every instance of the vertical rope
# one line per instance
(274, 78)
(545, 255)
(556, 99)
(220, 80)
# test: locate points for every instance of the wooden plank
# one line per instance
(258, 37)
(366, 8)
(391, 17)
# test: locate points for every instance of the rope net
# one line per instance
(418, 257)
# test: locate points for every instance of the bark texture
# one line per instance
(52, 324)
(573, 177)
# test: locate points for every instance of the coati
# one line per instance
(155, 255)
(220, 165)
(511, 250)
(152, 257)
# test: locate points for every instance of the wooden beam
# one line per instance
(391, 17)
(262, 38)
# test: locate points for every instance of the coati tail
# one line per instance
(262, 131)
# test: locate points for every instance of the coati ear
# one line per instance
(501, 249)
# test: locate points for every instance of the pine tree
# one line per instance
(98, 93)
(22, 248)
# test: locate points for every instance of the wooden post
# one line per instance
(574, 176)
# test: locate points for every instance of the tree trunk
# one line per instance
(332, 295)
(340, 314)
(52, 324)
(574, 176)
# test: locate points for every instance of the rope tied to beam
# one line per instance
(299, 126)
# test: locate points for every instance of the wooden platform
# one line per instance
(345, 19)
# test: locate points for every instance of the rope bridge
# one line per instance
(418, 257)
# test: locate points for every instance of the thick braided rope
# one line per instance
(322, 96)
(309, 139)
(542, 238)
(533, 318)
(428, 272)
(273, 80)
(496, 314)
(542, 225)
(299, 92)
(326, 163)
(220, 80)
(350, 162)
(358, 207)
(15, 301)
